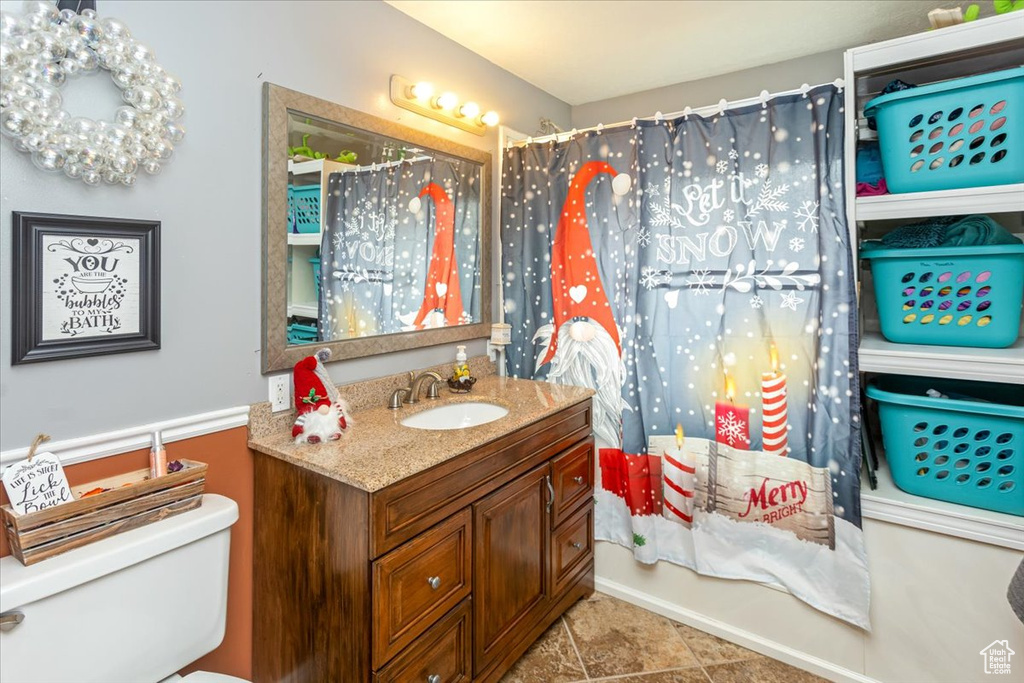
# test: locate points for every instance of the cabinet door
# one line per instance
(511, 532)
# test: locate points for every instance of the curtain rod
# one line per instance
(719, 108)
(385, 164)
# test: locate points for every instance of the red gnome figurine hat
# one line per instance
(576, 290)
(441, 291)
(320, 409)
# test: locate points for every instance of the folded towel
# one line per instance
(869, 190)
(977, 231)
(950, 231)
(1015, 593)
(869, 163)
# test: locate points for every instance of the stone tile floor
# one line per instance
(605, 639)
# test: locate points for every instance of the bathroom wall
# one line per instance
(208, 198)
(824, 67)
(229, 474)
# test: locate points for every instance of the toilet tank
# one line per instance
(135, 607)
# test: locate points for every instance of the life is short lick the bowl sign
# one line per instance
(84, 286)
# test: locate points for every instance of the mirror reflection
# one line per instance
(383, 236)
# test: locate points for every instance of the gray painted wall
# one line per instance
(208, 197)
(813, 70)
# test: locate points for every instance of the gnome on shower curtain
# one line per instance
(442, 296)
(583, 343)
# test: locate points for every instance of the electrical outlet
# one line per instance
(280, 394)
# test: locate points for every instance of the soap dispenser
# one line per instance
(461, 369)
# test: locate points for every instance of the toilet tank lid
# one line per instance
(21, 585)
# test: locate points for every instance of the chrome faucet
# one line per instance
(414, 387)
(411, 394)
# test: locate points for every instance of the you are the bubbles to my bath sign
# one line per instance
(36, 484)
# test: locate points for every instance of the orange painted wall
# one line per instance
(230, 474)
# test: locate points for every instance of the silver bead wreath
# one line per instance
(39, 51)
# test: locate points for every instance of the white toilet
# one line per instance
(136, 607)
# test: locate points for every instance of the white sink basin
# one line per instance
(455, 416)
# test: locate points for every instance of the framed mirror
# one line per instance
(376, 237)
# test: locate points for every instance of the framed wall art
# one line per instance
(83, 286)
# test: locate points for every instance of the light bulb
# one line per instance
(446, 100)
(421, 91)
(490, 119)
(469, 110)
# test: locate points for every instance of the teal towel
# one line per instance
(967, 231)
(977, 231)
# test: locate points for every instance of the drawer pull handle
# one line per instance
(578, 480)
(435, 583)
(551, 492)
(433, 678)
(10, 620)
(577, 545)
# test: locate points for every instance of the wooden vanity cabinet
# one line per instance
(446, 576)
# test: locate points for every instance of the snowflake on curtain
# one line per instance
(790, 300)
(661, 213)
(733, 154)
(796, 244)
(337, 238)
(756, 302)
(651, 278)
(807, 216)
(722, 166)
(731, 429)
(770, 197)
(761, 170)
(728, 215)
(701, 281)
(643, 236)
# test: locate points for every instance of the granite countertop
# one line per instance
(378, 451)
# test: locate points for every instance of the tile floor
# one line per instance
(605, 639)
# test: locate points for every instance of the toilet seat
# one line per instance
(207, 677)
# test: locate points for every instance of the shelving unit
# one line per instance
(302, 301)
(968, 49)
(997, 199)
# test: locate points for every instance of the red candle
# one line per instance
(732, 421)
(774, 406)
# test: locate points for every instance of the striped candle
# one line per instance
(774, 406)
(679, 471)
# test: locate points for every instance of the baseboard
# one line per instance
(751, 641)
(86, 448)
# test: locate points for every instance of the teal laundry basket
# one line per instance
(304, 208)
(967, 132)
(958, 449)
(949, 296)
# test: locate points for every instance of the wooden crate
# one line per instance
(40, 535)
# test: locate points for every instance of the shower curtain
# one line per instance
(696, 273)
(385, 227)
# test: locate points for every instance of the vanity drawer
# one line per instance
(415, 584)
(572, 548)
(404, 509)
(442, 652)
(572, 475)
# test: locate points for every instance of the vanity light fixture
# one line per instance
(446, 108)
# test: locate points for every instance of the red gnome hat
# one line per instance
(575, 280)
(441, 290)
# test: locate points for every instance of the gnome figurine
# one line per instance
(321, 410)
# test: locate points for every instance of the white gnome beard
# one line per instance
(323, 425)
(586, 356)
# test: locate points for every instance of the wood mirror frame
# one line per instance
(277, 353)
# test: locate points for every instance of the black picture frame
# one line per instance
(70, 316)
